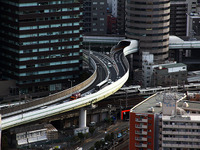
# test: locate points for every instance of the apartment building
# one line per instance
(165, 121)
(180, 132)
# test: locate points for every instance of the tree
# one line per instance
(102, 142)
(86, 135)
(75, 139)
(81, 136)
(91, 130)
(108, 137)
(91, 148)
(97, 145)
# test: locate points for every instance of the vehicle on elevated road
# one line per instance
(101, 84)
(75, 96)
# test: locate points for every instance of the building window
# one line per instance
(149, 137)
(94, 29)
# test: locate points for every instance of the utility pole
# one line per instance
(126, 99)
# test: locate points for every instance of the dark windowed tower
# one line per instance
(41, 43)
(178, 18)
(148, 22)
(121, 17)
(95, 17)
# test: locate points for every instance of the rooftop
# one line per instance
(172, 65)
(192, 105)
(153, 101)
(183, 117)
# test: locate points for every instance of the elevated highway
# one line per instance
(177, 43)
(25, 117)
(123, 48)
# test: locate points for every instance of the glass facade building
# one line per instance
(41, 43)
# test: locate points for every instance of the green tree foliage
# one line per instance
(97, 145)
(81, 136)
(91, 130)
(91, 148)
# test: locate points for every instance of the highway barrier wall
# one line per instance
(53, 97)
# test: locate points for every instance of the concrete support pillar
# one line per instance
(82, 122)
(82, 118)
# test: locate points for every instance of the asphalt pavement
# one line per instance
(100, 134)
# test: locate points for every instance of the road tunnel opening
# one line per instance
(123, 44)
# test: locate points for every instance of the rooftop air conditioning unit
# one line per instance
(159, 104)
(185, 104)
(151, 109)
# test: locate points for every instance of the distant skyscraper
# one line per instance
(193, 18)
(111, 24)
(41, 43)
(121, 17)
(180, 11)
(114, 8)
(178, 17)
(95, 17)
(148, 22)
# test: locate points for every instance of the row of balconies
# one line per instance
(180, 145)
(180, 139)
(180, 133)
(140, 120)
(141, 126)
(141, 132)
(140, 138)
(181, 126)
(140, 145)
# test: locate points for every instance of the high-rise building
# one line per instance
(148, 22)
(193, 19)
(178, 17)
(114, 8)
(121, 17)
(95, 17)
(41, 43)
(180, 11)
(118, 11)
(111, 24)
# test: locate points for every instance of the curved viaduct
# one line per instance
(131, 47)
